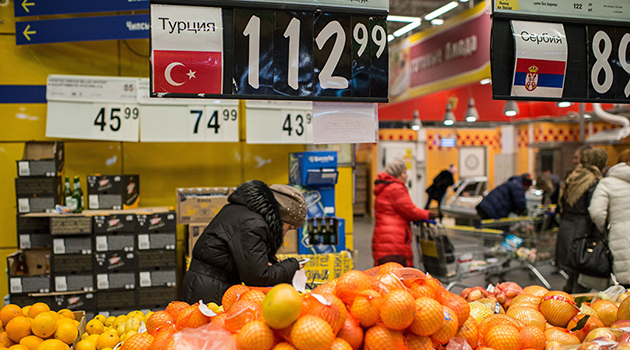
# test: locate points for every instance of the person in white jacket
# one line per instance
(610, 206)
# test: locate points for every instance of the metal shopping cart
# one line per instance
(532, 243)
(454, 253)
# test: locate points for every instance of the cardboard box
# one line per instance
(25, 285)
(156, 298)
(74, 302)
(113, 191)
(194, 232)
(62, 264)
(305, 246)
(115, 261)
(156, 259)
(116, 280)
(156, 222)
(313, 168)
(32, 224)
(160, 278)
(74, 283)
(22, 300)
(42, 159)
(290, 245)
(38, 186)
(72, 245)
(116, 300)
(70, 224)
(124, 242)
(166, 241)
(29, 241)
(37, 262)
(37, 204)
(201, 204)
(114, 223)
(323, 267)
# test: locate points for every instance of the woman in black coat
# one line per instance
(240, 243)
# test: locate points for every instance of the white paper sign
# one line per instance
(91, 88)
(541, 59)
(279, 122)
(338, 122)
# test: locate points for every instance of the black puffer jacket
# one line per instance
(237, 246)
(508, 197)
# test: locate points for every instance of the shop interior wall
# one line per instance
(162, 167)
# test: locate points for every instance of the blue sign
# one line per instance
(50, 7)
(82, 29)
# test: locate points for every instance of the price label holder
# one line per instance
(187, 120)
(96, 108)
(279, 122)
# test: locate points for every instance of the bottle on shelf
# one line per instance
(67, 193)
(311, 232)
(333, 232)
(317, 235)
(325, 232)
(77, 195)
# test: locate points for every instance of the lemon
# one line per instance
(110, 321)
(100, 317)
(120, 319)
(479, 311)
(95, 327)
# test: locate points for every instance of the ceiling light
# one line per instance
(409, 27)
(511, 108)
(485, 81)
(449, 116)
(437, 21)
(587, 116)
(564, 104)
(471, 113)
(463, 0)
(416, 124)
(442, 10)
(407, 19)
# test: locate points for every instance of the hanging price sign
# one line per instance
(273, 122)
(97, 108)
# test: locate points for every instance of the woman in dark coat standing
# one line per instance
(575, 197)
(393, 210)
(240, 243)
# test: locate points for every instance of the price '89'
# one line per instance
(602, 63)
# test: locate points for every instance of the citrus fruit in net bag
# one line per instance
(382, 338)
(448, 329)
(255, 335)
(531, 337)
(558, 308)
(311, 333)
(365, 307)
(326, 306)
(428, 318)
(469, 331)
(416, 342)
(352, 332)
(350, 284)
(397, 309)
(529, 316)
(503, 337)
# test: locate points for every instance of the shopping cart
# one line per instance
(533, 243)
(454, 253)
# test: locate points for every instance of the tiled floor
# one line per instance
(363, 229)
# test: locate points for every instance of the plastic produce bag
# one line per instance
(208, 337)
(612, 293)
(458, 343)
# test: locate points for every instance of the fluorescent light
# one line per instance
(407, 19)
(485, 81)
(390, 37)
(564, 104)
(409, 27)
(437, 21)
(442, 10)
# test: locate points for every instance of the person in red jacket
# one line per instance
(394, 210)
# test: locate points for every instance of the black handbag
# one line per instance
(593, 255)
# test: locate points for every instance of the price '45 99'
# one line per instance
(115, 122)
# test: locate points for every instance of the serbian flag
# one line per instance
(190, 72)
(534, 77)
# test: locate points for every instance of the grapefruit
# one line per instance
(532, 337)
(529, 316)
(281, 306)
(503, 337)
(535, 290)
(623, 312)
(606, 311)
(558, 308)
(562, 336)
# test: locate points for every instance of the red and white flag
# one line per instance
(192, 72)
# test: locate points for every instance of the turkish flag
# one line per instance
(190, 72)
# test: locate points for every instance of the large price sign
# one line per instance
(608, 62)
(304, 53)
(279, 122)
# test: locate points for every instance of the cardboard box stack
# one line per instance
(38, 187)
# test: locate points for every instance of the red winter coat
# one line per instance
(394, 210)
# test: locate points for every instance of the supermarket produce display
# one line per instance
(386, 307)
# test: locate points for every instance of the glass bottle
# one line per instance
(325, 232)
(67, 193)
(77, 195)
(317, 236)
(333, 232)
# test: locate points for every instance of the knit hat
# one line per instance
(292, 204)
(527, 179)
(395, 168)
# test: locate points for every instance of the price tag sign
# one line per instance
(96, 108)
(279, 122)
(608, 66)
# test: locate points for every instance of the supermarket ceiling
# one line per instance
(421, 8)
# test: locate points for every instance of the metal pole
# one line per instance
(581, 122)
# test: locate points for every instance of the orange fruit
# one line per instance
(497, 319)
(428, 287)
(503, 337)
(160, 320)
(558, 308)
(138, 341)
(469, 331)
(253, 295)
(37, 309)
(525, 300)
(283, 346)
(18, 328)
(397, 309)
(340, 344)
(592, 323)
(219, 319)
(164, 340)
(240, 313)
(326, 288)
(175, 307)
(18, 347)
(5, 340)
(44, 325)
(107, 340)
(537, 291)
(351, 332)
(529, 316)
(311, 333)
(191, 317)
(8, 312)
(31, 342)
(428, 318)
(326, 306)
(52, 344)
(66, 313)
(606, 311)
(67, 332)
(448, 329)
(458, 304)
(389, 267)
(365, 307)
(531, 337)
(416, 342)
(382, 338)
(623, 312)
(350, 284)
(562, 336)
(233, 294)
(255, 335)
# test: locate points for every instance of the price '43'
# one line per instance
(298, 121)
